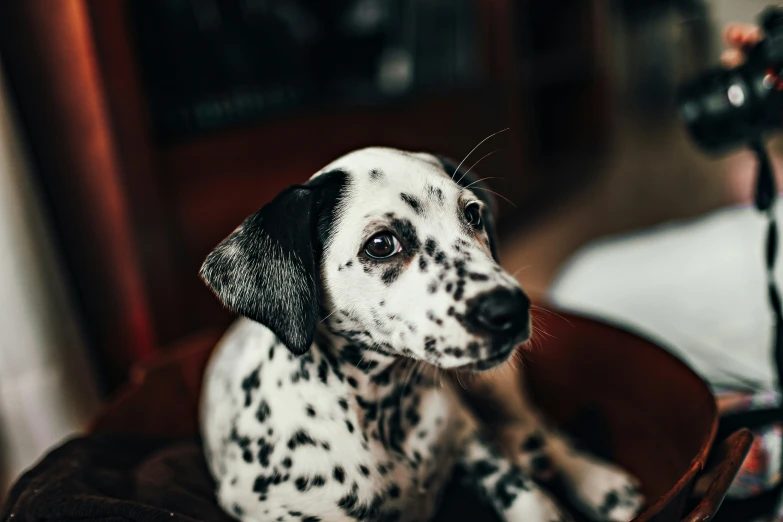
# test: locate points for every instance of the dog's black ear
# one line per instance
(268, 269)
(464, 178)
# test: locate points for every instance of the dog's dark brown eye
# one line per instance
(382, 246)
(473, 215)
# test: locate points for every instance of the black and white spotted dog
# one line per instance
(316, 405)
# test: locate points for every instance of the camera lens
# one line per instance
(715, 107)
(723, 109)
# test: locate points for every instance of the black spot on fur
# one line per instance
(262, 483)
(508, 487)
(264, 450)
(323, 371)
(412, 416)
(435, 193)
(483, 468)
(430, 246)
(339, 474)
(394, 491)
(310, 411)
(408, 235)
(302, 484)
(349, 425)
(413, 202)
(349, 501)
(318, 481)
(263, 411)
(430, 344)
(422, 264)
(478, 277)
(352, 382)
(384, 377)
(311, 519)
(541, 464)
(237, 511)
(364, 469)
(611, 501)
(431, 316)
(300, 438)
(343, 404)
(455, 352)
(243, 443)
(376, 175)
(391, 274)
(532, 443)
(360, 511)
(370, 409)
(251, 382)
(271, 352)
(287, 462)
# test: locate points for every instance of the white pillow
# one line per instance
(697, 287)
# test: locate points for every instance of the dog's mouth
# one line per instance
(492, 361)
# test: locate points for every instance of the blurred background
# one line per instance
(136, 134)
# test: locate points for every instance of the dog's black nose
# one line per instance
(501, 311)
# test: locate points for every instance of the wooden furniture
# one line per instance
(135, 217)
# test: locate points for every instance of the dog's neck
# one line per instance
(374, 371)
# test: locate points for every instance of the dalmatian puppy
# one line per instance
(361, 292)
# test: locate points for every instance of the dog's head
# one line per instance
(389, 249)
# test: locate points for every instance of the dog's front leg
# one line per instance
(602, 490)
(506, 486)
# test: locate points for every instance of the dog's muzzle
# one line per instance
(502, 315)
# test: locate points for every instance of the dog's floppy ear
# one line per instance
(464, 179)
(268, 269)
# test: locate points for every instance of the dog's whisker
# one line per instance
(474, 149)
(482, 179)
(498, 195)
(458, 374)
(551, 312)
(539, 330)
(474, 165)
(328, 316)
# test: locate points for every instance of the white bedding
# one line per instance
(697, 287)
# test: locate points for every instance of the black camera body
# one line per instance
(725, 109)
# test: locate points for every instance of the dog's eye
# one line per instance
(473, 215)
(382, 246)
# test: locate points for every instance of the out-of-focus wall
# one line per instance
(46, 385)
(725, 11)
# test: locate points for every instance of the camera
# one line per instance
(725, 109)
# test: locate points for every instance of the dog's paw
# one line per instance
(603, 491)
(535, 506)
